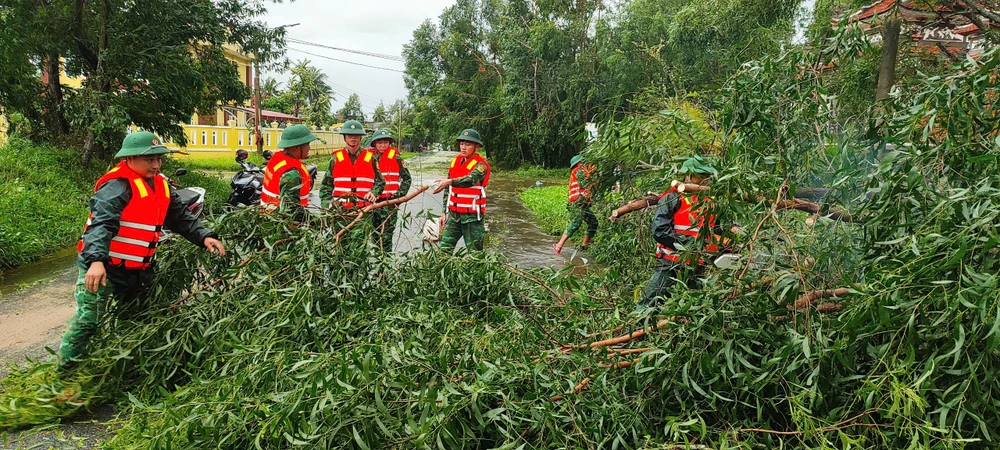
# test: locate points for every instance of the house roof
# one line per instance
(266, 114)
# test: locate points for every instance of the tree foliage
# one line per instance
(352, 109)
(135, 72)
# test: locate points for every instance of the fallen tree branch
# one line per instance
(635, 205)
(620, 339)
(805, 301)
(382, 204)
(852, 422)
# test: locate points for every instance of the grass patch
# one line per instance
(43, 200)
(549, 205)
(535, 173)
(408, 155)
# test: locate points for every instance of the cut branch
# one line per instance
(383, 204)
(805, 301)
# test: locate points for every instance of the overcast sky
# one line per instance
(378, 26)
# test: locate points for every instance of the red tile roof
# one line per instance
(871, 10)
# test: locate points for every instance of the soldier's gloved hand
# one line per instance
(213, 245)
(96, 276)
(441, 184)
(369, 197)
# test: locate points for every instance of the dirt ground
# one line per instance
(31, 320)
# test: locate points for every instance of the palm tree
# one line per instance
(270, 88)
(308, 85)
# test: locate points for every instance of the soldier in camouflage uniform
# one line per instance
(465, 200)
(131, 205)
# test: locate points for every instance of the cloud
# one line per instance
(382, 26)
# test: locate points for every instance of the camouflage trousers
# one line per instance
(665, 276)
(92, 308)
(580, 212)
(472, 231)
(384, 221)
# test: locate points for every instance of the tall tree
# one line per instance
(135, 73)
(352, 109)
(307, 86)
(381, 115)
(270, 88)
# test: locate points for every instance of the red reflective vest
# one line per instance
(141, 222)
(389, 166)
(352, 180)
(688, 224)
(576, 191)
(270, 194)
(468, 200)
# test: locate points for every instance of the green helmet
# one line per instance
(699, 165)
(141, 143)
(296, 135)
(381, 134)
(353, 127)
(469, 135)
(574, 161)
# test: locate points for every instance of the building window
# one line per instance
(267, 138)
(241, 139)
(194, 137)
(204, 138)
(215, 139)
(225, 138)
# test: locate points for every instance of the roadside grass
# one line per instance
(549, 205)
(536, 173)
(43, 199)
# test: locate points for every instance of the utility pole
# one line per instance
(256, 107)
(256, 98)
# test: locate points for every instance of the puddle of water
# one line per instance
(60, 262)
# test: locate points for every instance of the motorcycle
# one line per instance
(248, 183)
(193, 198)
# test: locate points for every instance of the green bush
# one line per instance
(43, 200)
(549, 205)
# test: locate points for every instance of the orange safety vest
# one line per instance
(468, 200)
(575, 190)
(389, 166)
(141, 222)
(687, 224)
(352, 180)
(270, 194)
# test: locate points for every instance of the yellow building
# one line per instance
(3, 127)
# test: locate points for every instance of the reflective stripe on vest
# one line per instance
(140, 225)
(575, 190)
(352, 179)
(688, 224)
(280, 164)
(389, 166)
(468, 200)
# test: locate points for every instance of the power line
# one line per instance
(344, 61)
(358, 52)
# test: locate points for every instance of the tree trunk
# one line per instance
(890, 49)
(55, 121)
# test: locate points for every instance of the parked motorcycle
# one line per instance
(193, 198)
(249, 181)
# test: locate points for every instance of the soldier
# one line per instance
(353, 180)
(397, 184)
(465, 200)
(286, 181)
(132, 203)
(676, 226)
(580, 199)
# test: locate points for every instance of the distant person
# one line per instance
(465, 201)
(131, 206)
(580, 199)
(287, 183)
(353, 180)
(397, 184)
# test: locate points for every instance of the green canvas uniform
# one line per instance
(384, 219)
(291, 184)
(326, 190)
(464, 226)
(126, 286)
(579, 212)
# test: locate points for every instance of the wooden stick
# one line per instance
(627, 337)
(635, 205)
(382, 204)
(683, 187)
(805, 301)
